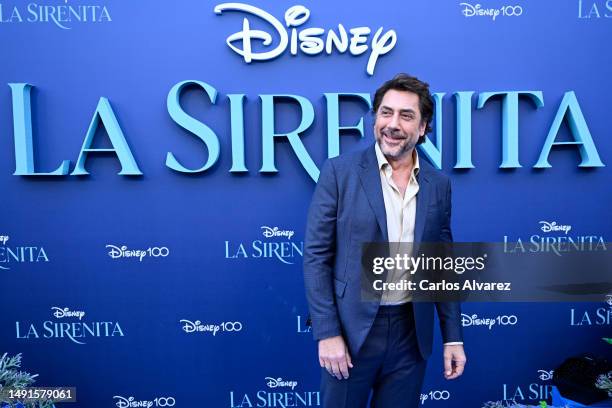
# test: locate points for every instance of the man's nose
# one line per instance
(394, 122)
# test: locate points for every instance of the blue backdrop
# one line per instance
(212, 311)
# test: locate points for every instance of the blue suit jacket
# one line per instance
(348, 210)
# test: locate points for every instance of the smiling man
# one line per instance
(383, 193)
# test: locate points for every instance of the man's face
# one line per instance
(398, 124)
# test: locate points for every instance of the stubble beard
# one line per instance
(397, 152)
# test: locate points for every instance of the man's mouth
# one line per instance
(392, 140)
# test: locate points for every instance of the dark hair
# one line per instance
(407, 83)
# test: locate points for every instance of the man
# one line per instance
(383, 193)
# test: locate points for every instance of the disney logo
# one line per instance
(545, 375)
(473, 320)
(269, 232)
(310, 40)
(477, 10)
(123, 252)
(278, 382)
(65, 312)
(552, 226)
(470, 11)
(131, 402)
(4, 239)
(197, 326)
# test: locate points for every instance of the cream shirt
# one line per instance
(401, 215)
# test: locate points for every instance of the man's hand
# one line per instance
(454, 361)
(334, 357)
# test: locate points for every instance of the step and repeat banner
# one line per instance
(157, 160)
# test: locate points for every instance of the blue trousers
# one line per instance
(389, 366)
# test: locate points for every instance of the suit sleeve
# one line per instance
(319, 255)
(449, 313)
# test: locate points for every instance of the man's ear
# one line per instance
(422, 127)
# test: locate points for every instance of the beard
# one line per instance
(401, 145)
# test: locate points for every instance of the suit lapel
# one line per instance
(370, 181)
(422, 204)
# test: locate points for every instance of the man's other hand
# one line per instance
(334, 357)
(454, 361)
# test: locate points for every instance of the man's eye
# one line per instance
(386, 113)
(407, 117)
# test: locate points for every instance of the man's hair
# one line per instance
(408, 83)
